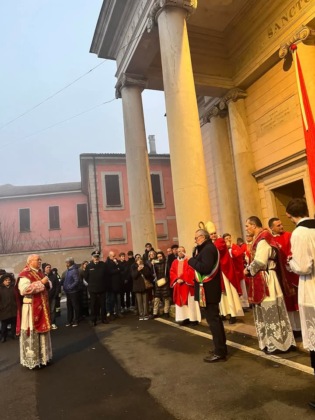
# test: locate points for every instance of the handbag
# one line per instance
(161, 282)
(147, 284)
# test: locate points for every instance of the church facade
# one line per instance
(235, 75)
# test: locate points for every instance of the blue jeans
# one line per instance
(110, 302)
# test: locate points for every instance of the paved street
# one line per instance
(153, 370)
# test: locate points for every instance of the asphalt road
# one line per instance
(151, 370)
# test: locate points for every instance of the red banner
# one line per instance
(308, 120)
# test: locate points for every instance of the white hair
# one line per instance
(31, 257)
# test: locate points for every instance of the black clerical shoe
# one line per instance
(214, 358)
(312, 404)
(184, 322)
(232, 320)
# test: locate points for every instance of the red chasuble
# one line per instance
(181, 270)
(238, 259)
(226, 265)
(40, 303)
(283, 241)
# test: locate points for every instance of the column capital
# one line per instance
(233, 95)
(303, 34)
(214, 111)
(188, 5)
(129, 80)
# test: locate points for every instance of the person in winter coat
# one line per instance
(161, 285)
(98, 280)
(139, 272)
(205, 262)
(117, 285)
(83, 293)
(53, 293)
(71, 288)
(8, 307)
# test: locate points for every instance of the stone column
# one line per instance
(142, 219)
(248, 195)
(224, 173)
(186, 148)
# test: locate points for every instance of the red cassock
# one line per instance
(226, 265)
(238, 258)
(284, 243)
(181, 270)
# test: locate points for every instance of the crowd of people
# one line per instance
(271, 272)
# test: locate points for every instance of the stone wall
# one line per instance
(15, 262)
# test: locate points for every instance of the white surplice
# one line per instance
(302, 263)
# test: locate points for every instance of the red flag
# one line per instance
(308, 120)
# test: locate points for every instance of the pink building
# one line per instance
(41, 217)
(94, 212)
(104, 181)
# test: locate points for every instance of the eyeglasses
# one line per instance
(196, 237)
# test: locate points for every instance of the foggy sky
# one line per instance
(44, 47)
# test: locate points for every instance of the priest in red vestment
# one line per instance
(33, 315)
(237, 253)
(182, 276)
(230, 303)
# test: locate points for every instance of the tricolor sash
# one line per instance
(205, 278)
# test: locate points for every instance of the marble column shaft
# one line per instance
(248, 194)
(186, 148)
(138, 172)
(224, 177)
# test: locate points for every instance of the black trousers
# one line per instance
(98, 306)
(4, 327)
(73, 307)
(217, 329)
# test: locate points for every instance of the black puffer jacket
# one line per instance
(160, 271)
(204, 261)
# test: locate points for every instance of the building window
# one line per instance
(157, 190)
(113, 197)
(54, 222)
(82, 215)
(25, 220)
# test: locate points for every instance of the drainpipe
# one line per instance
(97, 211)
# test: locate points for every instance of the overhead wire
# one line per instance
(64, 88)
(57, 123)
(51, 96)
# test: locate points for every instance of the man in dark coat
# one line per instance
(117, 285)
(53, 293)
(70, 286)
(97, 277)
(130, 296)
(205, 262)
